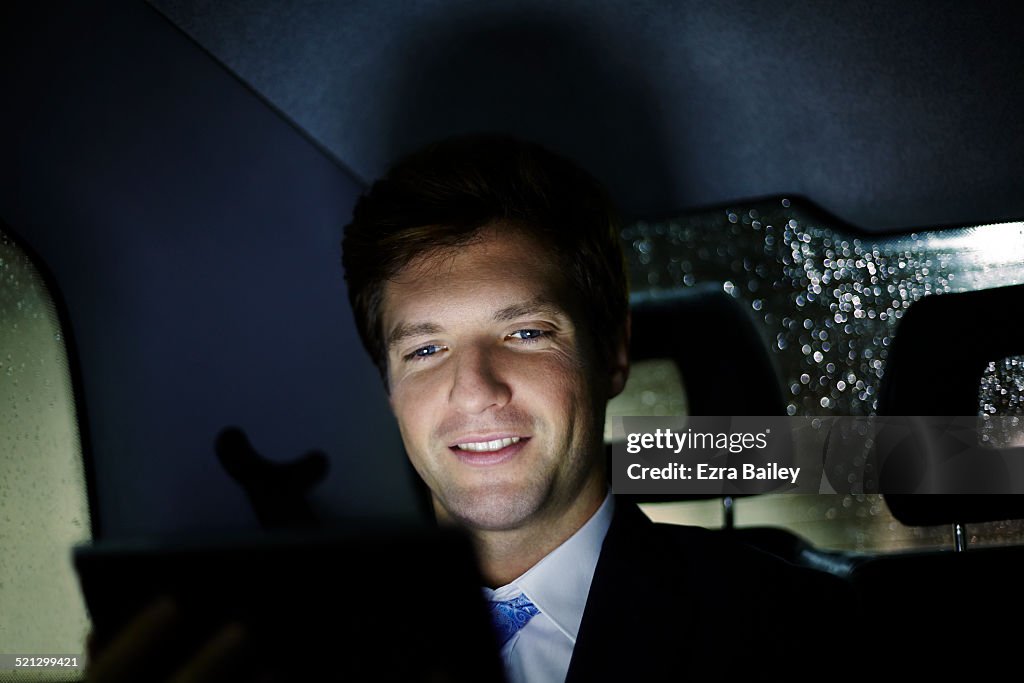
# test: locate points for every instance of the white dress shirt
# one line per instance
(558, 585)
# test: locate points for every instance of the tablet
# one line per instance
(380, 604)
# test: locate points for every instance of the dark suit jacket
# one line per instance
(669, 601)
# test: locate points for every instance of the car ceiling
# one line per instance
(889, 115)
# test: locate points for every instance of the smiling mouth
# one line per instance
(487, 446)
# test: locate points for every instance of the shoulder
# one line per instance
(715, 573)
(690, 597)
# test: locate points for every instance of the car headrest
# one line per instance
(935, 366)
(713, 342)
(716, 347)
(941, 349)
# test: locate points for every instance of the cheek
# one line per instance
(562, 387)
(413, 411)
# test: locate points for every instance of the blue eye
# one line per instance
(425, 351)
(529, 335)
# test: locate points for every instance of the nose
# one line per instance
(478, 384)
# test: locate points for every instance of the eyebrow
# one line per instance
(403, 331)
(533, 307)
(540, 305)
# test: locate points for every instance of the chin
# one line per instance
(490, 509)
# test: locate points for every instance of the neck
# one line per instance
(506, 554)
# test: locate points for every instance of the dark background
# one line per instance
(185, 169)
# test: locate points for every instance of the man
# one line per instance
(488, 285)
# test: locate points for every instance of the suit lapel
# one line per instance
(641, 599)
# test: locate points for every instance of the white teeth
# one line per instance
(485, 446)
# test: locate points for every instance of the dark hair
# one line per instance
(441, 196)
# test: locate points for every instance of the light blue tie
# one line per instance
(511, 615)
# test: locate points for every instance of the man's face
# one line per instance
(495, 384)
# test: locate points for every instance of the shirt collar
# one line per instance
(559, 584)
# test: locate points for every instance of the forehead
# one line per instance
(501, 267)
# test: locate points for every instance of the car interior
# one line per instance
(822, 216)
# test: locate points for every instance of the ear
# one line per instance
(618, 363)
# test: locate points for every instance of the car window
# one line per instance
(43, 501)
(1000, 395)
(827, 301)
